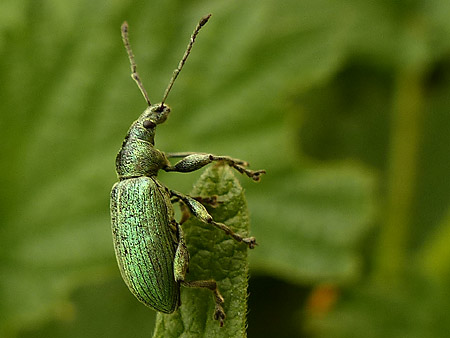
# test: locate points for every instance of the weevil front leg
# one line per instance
(195, 161)
(199, 211)
(181, 267)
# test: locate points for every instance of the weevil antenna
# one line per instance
(134, 73)
(177, 71)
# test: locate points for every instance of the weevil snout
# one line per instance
(154, 115)
(158, 113)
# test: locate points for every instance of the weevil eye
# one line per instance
(149, 124)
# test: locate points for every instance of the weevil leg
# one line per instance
(188, 153)
(199, 211)
(181, 267)
(181, 260)
(194, 161)
(219, 313)
(210, 200)
(185, 214)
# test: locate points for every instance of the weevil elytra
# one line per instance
(148, 241)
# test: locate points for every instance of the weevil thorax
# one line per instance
(138, 155)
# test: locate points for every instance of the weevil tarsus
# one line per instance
(219, 313)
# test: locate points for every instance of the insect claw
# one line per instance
(219, 314)
(255, 175)
(250, 241)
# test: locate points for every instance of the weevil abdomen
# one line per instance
(145, 242)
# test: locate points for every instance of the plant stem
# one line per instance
(402, 173)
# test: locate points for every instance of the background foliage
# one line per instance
(344, 103)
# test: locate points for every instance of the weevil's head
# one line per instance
(144, 127)
(154, 115)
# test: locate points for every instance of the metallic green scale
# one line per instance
(144, 243)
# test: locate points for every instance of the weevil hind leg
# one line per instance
(181, 267)
(181, 260)
(219, 313)
(199, 211)
(194, 161)
(185, 214)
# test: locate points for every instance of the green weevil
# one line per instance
(148, 241)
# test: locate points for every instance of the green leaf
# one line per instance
(434, 257)
(67, 101)
(213, 255)
(416, 308)
(311, 221)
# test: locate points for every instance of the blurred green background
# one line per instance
(344, 103)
